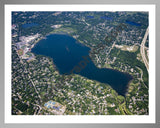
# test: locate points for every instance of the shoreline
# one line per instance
(110, 68)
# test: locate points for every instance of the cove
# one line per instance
(70, 56)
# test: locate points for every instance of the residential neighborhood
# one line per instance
(115, 40)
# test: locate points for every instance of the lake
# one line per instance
(133, 23)
(70, 56)
(29, 25)
(106, 18)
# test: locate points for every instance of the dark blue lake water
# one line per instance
(106, 18)
(29, 25)
(91, 17)
(70, 56)
(133, 23)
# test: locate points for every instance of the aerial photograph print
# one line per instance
(80, 63)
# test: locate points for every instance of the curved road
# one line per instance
(143, 49)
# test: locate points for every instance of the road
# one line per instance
(32, 83)
(111, 48)
(35, 89)
(141, 76)
(143, 49)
